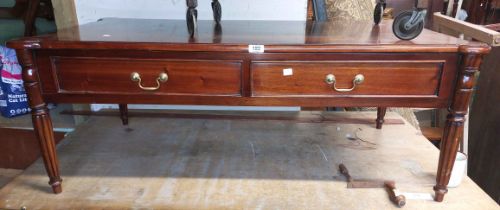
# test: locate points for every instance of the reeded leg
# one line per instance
(454, 129)
(44, 132)
(124, 113)
(41, 119)
(453, 132)
(380, 116)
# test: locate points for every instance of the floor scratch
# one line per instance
(322, 152)
(253, 150)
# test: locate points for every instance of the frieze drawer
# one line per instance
(148, 76)
(325, 78)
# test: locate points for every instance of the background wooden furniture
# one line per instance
(483, 12)
(484, 135)
(24, 17)
(452, 26)
(218, 69)
(23, 9)
(19, 144)
(20, 148)
(65, 14)
(28, 10)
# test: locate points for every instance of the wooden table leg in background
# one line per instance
(454, 128)
(124, 113)
(41, 119)
(380, 116)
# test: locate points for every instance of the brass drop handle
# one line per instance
(358, 80)
(162, 78)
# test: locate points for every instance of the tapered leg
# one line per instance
(380, 116)
(454, 129)
(453, 132)
(44, 132)
(41, 119)
(124, 113)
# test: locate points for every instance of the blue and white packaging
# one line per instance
(13, 98)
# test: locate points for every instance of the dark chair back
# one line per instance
(28, 11)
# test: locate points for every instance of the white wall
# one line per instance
(92, 10)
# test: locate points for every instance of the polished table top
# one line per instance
(236, 35)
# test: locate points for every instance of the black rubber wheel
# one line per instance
(191, 18)
(399, 30)
(378, 13)
(216, 7)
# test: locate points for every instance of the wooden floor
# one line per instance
(160, 163)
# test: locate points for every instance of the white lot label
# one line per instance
(256, 48)
(288, 72)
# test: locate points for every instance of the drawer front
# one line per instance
(113, 75)
(302, 78)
